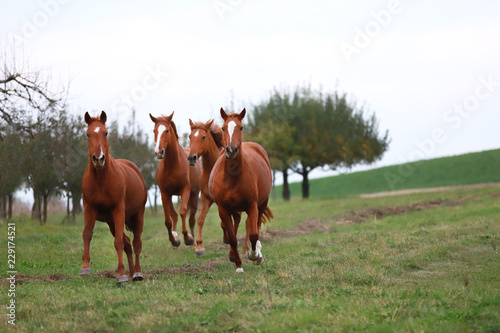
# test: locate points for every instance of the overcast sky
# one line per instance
(430, 70)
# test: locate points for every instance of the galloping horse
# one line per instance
(206, 142)
(241, 181)
(175, 177)
(113, 192)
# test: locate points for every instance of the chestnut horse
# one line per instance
(113, 192)
(206, 143)
(175, 177)
(241, 181)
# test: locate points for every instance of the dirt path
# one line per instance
(426, 190)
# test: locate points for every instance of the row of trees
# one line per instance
(305, 129)
(43, 146)
(53, 158)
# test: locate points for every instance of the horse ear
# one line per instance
(153, 118)
(169, 118)
(223, 114)
(88, 119)
(242, 114)
(191, 122)
(209, 123)
(103, 117)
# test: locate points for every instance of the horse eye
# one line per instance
(203, 138)
(88, 135)
(106, 134)
(168, 131)
(241, 128)
(223, 129)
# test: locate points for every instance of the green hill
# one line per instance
(472, 168)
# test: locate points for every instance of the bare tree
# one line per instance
(25, 94)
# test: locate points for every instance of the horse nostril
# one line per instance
(102, 159)
(228, 150)
(235, 150)
(94, 159)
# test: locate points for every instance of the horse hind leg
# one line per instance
(193, 207)
(168, 210)
(127, 248)
(253, 234)
(205, 206)
(137, 243)
(188, 238)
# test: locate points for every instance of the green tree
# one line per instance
(42, 175)
(11, 175)
(316, 130)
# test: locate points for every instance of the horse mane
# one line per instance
(215, 130)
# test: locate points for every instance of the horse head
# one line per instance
(97, 139)
(198, 140)
(164, 132)
(233, 129)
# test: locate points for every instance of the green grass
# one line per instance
(473, 168)
(432, 270)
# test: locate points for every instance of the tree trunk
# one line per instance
(305, 184)
(286, 186)
(156, 201)
(11, 202)
(45, 204)
(3, 207)
(37, 207)
(273, 189)
(68, 210)
(76, 197)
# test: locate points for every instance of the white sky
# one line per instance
(422, 60)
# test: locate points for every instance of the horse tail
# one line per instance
(267, 215)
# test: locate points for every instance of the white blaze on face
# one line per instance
(197, 133)
(102, 154)
(230, 129)
(97, 129)
(161, 129)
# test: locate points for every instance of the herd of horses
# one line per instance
(235, 175)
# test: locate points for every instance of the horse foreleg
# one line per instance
(88, 229)
(253, 234)
(188, 238)
(167, 207)
(205, 206)
(227, 222)
(138, 226)
(119, 226)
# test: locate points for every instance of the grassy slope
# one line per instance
(430, 270)
(473, 168)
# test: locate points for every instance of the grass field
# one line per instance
(411, 263)
(473, 168)
(336, 262)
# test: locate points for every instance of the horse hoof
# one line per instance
(138, 276)
(121, 279)
(177, 243)
(200, 254)
(258, 261)
(85, 271)
(240, 270)
(189, 241)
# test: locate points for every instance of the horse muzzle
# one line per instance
(231, 152)
(160, 154)
(99, 161)
(192, 159)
